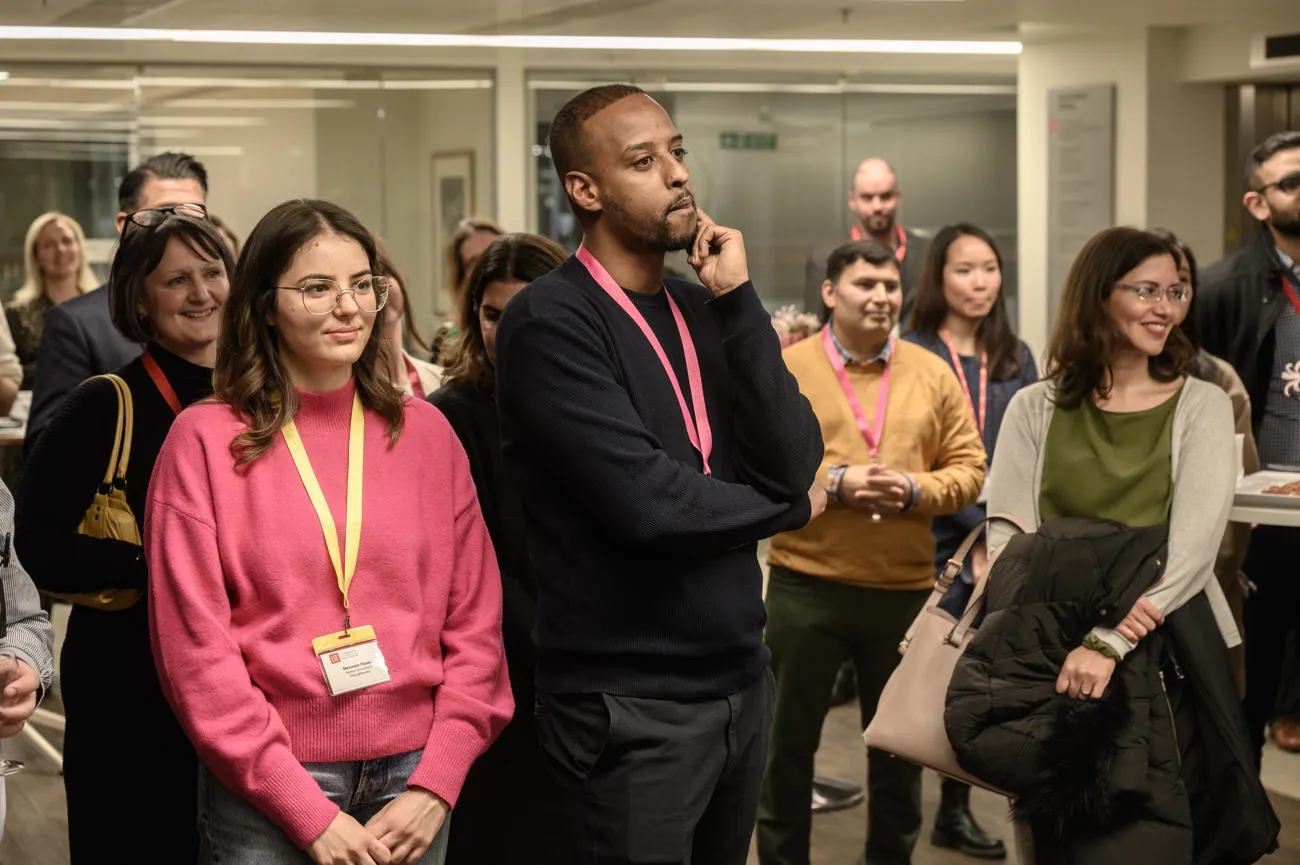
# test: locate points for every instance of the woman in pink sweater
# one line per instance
(324, 599)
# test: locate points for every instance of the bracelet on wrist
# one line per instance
(1097, 644)
(834, 478)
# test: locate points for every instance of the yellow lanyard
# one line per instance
(356, 452)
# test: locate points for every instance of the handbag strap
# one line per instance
(949, 575)
(123, 417)
(128, 427)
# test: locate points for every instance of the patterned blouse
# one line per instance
(27, 324)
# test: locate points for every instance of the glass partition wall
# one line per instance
(410, 152)
(775, 158)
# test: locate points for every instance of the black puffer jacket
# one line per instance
(1122, 779)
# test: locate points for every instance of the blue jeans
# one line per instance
(232, 831)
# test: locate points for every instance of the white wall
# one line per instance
(1120, 59)
(1169, 147)
(1186, 137)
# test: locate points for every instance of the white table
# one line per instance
(1266, 516)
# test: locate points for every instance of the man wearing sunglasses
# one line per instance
(1252, 318)
(80, 340)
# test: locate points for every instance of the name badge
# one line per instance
(351, 660)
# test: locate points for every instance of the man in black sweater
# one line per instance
(655, 437)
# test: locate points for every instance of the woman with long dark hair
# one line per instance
(167, 287)
(506, 813)
(1119, 434)
(959, 313)
(325, 600)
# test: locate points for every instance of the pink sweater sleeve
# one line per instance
(237, 733)
(473, 703)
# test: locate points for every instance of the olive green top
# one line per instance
(1111, 465)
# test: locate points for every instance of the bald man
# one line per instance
(874, 198)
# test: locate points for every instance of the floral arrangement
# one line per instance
(792, 325)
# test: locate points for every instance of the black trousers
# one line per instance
(1271, 612)
(658, 781)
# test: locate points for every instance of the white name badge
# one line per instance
(351, 660)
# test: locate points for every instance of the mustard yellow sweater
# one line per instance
(929, 433)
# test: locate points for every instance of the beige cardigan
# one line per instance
(1204, 476)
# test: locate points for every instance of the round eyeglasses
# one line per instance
(1178, 293)
(151, 217)
(322, 296)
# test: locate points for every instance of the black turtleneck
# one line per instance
(111, 695)
(68, 464)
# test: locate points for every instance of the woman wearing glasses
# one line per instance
(1119, 431)
(168, 284)
(326, 606)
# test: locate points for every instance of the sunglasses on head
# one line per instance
(150, 217)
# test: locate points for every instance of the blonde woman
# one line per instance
(57, 270)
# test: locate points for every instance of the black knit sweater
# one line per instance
(648, 583)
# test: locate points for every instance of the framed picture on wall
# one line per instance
(452, 188)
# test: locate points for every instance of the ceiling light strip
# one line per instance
(457, 40)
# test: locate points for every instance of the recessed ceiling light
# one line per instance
(456, 40)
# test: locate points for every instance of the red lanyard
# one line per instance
(871, 435)
(698, 429)
(900, 249)
(413, 376)
(981, 412)
(160, 381)
(1289, 291)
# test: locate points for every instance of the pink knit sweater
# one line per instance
(240, 582)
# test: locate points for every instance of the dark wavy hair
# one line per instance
(930, 307)
(138, 255)
(1084, 342)
(1201, 365)
(250, 374)
(523, 257)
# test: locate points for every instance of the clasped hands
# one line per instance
(402, 832)
(875, 489)
(1087, 672)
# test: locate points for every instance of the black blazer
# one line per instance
(79, 342)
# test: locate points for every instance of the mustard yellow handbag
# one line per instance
(110, 515)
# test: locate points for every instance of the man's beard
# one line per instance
(1284, 223)
(879, 225)
(664, 238)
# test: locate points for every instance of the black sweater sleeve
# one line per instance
(778, 439)
(63, 473)
(560, 393)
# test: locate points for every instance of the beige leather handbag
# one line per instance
(909, 715)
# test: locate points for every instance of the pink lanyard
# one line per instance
(900, 249)
(981, 412)
(697, 430)
(872, 436)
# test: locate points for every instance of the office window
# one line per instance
(774, 159)
(405, 150)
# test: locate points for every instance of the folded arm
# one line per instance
(778, 438)
(559, 392)
(957, 476)
(1204, 484)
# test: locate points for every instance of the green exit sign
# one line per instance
(748, 140)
